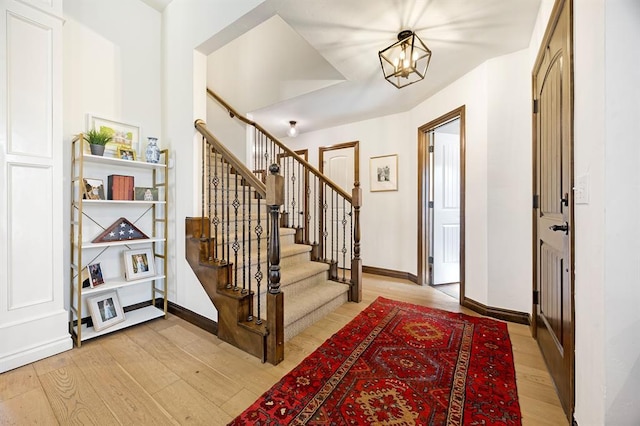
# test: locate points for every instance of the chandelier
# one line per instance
(405, 61)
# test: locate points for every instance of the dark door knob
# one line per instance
(564, 228)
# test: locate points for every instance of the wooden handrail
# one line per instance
(234, 114)
(228, 156)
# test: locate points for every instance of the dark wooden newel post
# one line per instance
(275, 298)
(356, 262)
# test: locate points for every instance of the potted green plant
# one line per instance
(97, 140)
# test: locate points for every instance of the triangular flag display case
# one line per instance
(116, 233)
(121, 230)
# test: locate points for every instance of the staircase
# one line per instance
(271, 264)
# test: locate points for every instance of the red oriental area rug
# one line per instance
(399, 364)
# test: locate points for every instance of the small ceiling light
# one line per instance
(405, 61)
(292, 132)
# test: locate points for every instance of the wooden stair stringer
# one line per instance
(232, 306)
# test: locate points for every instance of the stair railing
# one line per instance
(324, 215)
(240, 210)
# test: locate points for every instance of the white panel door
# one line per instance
(33, 321)
(446, 214)
(338, 165)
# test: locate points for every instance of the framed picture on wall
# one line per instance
(125, 136)
(383, 173)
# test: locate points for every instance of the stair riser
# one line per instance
(293, 329)
(246, 257)
(285, 262)
(230, 238)
(292, 290)
(290, 280)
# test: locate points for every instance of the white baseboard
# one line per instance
(36, 353)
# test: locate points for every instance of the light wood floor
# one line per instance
(170, 372)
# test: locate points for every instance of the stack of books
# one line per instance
(120, 187)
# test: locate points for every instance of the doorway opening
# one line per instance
(441, 172)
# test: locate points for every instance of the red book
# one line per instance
(128, 187)
(120, 187)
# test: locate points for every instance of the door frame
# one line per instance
(423, 195)
(356, 158)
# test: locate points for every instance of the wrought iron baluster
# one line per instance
(204, 150)
(255, 150)
(344, 238)
(259, 275)
(248, 264)
(307, 224)
(300, 196)
(351, 233)
(265, 159)
(293, 196)
(216, 218)
(236, 243)
(244, 241)
(325, 234)
(210, 177)
(333, 220)
(316, 225)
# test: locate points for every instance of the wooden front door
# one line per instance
(553, 319)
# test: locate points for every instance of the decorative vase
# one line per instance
(152, 153)
(96, 149)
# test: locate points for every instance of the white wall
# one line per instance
(622, 207)
(498, 193)
(589, 106)
(470, 91)
(111, 70)
(188, 26)
(112, 64)
(388, 222)
(509, 179)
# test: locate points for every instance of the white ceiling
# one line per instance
(316, 61)
(158, 5)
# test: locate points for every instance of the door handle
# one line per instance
(564, 228)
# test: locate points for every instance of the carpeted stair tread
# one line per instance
(298, 306)
(296, 273)
(293, 277)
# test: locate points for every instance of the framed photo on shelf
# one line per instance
(95, 275)
(383, 173)
(139, 264)
(145, 194)
(93, 189)
(86, 279)
(126, 153)
(105, 310)
(124, 135)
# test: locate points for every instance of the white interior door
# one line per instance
(339, 166)
(446, 205)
